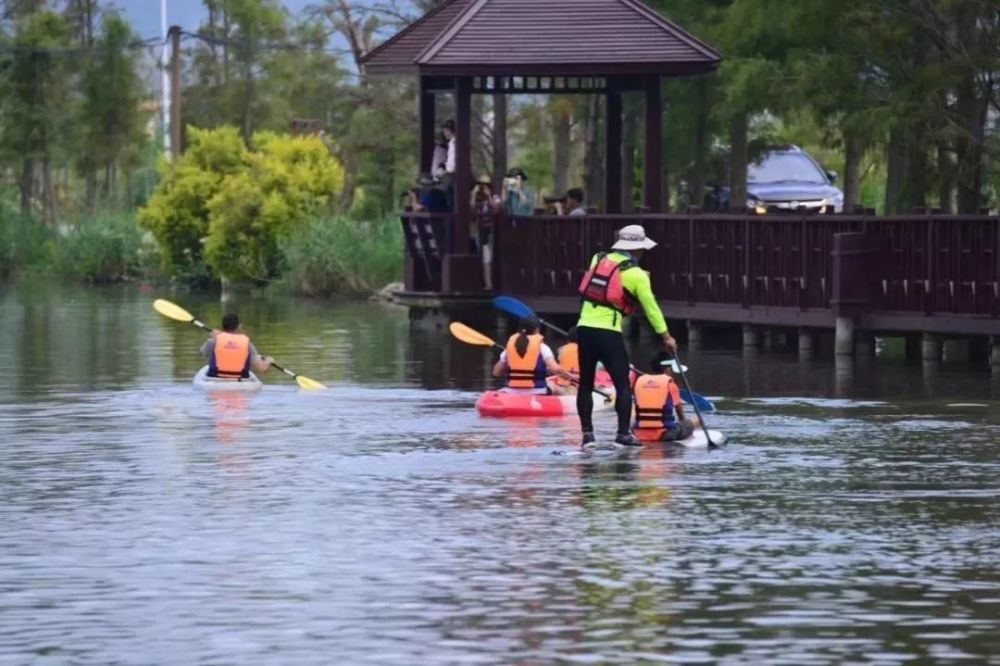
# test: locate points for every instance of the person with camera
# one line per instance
(518, 198)
(570, 205)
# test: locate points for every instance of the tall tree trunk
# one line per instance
(915, 183)
(89, 190)
(561, 125)
(499, 140)
(27, 185)
(738, 157)
(853, 153)
(593, 160)
(895, 171)
(946, 179)
(697, 192)
(48, 193)
(969, 146)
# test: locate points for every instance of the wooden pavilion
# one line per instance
(606, 47)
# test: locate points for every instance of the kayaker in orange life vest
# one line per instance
(527, 361)
(658, 408)
(569, 360)
(613, 287)
(230, 353)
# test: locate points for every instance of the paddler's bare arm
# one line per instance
(259, 363)
(555, 369)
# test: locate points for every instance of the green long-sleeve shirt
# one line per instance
(636, 282)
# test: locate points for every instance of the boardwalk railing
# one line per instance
(916, 265)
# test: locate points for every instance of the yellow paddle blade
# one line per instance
(172, 311)
(311, 384)
(469, 336)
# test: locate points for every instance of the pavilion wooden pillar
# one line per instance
(461, 272)
(613, 154)
(653, 175)
(427, 123)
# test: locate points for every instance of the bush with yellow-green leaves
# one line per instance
(227, 206)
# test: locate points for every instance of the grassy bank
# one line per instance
(324, 257)
(340, 255)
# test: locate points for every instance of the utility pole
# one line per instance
(175, 91)
(165, 81)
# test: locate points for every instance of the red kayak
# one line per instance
(498, 404)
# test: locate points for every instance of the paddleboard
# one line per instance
(697, 440)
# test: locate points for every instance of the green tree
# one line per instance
(110, 117)
(36, 104)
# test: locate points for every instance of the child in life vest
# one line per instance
(658, 408)
(526, 361)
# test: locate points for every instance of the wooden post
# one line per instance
(653, 176)
(613, 154)
(463, 164)
(427, 126)
(175, 91)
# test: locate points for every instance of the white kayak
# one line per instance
(203, 381)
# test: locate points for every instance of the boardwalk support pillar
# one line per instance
(751, 336)
(844, 337)
(694, 334)
(995, 351)
(853, 285)
(931, 348)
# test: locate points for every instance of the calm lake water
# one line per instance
(854, 518)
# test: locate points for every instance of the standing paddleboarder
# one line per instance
(614, 287)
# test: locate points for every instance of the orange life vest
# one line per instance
(569, 360)
(231, 357)
(655, 398)
(528, 371)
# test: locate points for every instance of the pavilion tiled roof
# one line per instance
(559, 37)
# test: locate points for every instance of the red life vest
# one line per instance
(528, 371)
(602, 284)
(231, 357)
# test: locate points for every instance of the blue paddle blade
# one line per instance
(513, 307)
(702, 403)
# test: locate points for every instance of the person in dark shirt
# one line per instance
(429, 198)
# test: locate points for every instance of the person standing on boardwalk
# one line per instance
(613, 288)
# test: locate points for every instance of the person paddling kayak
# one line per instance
(569, 360)
(527, 361)
(614, 287)
(658, 408)
(230, 353)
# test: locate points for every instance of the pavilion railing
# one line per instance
(917, 264)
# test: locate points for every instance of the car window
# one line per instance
(782, 167)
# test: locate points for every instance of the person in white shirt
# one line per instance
(527, 361)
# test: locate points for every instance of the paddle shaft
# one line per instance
(694, 404)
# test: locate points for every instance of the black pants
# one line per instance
(608, 347)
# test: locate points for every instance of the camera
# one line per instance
(510, 183)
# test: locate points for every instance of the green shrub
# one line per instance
(177, 213)
(225, 206)
(289, 179)
(337, 255)
(24, 241)
(103, 249)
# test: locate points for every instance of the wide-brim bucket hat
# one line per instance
(633, 237)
